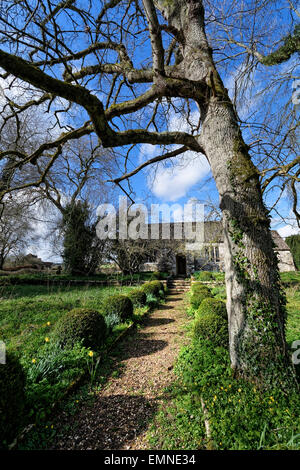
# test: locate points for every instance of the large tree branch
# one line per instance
(97, 46)
(283, 53)
(155, 37)
(141, 136)
(159, 158)
(74, 93)
(131, 106)
(281, 170)
(86, 129)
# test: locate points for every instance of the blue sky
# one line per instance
(189, 176)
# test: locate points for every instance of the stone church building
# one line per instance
(181, 258)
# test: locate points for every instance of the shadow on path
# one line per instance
(110, 423)
(121, 412)
(159, 321)
(142, 346)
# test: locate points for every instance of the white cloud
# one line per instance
(172, 179)
(173, 182)
(44, 218)
(288, 230)
(36, 118)
(147, 151)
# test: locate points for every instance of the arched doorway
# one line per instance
(180, 265)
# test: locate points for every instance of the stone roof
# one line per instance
(281, 245)
(213, 233)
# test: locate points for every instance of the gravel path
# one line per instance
(120, 415)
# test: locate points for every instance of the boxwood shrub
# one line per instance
(212, 306)
(153, 288)
(198, 286)
(118, 304)
(81, 324)
(198, 296)
(138, 297)
(12, 399)
(156, 275)
(204, 276)
(212, 327)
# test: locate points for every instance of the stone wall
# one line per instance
(286, 262)
(195, 261)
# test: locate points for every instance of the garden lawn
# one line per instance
(33, 278)
(28, 313)
(293, 314)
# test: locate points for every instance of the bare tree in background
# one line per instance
(119, 69)
(16, 227)
(258, 52)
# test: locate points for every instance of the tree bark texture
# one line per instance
(255, 301)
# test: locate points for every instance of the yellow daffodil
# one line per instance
(91, 353)
(47, 339)
(48, 323)
(239, 390)
(33, 361)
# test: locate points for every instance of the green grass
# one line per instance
(209, 276)
(293, 304)
(291, 277)
(43, 276)
(27, 310)
(240, 416)
(293, 317)
(28, 314)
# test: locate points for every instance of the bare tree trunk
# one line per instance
(255, 303)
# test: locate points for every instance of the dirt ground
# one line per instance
(121, 413)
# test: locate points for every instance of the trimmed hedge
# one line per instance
(204, 276)
(161, 287)
(153, 288)
(118, 304)
(198, 286)
(198, 296)
(138, 297)
(212, 306)
(12, 399)
(81, 324)
(156, 275)
(212, 327)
